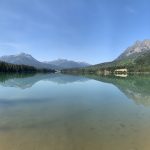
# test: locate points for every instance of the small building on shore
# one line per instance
(121, 71)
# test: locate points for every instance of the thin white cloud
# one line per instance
(130, 10)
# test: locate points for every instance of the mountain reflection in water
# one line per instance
(67, 112)
(135, 87)
(24, 81)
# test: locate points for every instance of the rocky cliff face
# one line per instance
(136, 49)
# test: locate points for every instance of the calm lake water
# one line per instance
(66, 112)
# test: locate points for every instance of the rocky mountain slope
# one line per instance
(138, 48)
(135, 58)
(26, 59)
(65, 64)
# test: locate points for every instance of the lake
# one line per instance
(68, 112)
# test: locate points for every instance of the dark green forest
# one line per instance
(11, 68)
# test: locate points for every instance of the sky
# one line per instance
(93, 31)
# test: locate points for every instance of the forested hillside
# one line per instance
(11, 68)
(135, 59)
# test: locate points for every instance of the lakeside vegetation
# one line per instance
(12, 68)
(140, 64)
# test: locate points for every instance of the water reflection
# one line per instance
(24, 81)
(135, 87)
(64, 112)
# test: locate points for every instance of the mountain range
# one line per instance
(26, 59)
(140, 50)
(135, 58)
(64, 63)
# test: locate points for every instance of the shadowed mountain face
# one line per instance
(25, 81)
(136, 87)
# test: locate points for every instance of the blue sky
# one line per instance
(84, 30)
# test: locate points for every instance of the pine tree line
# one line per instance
(12, 68)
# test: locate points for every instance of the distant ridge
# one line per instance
(65, 64)
(27, 59)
